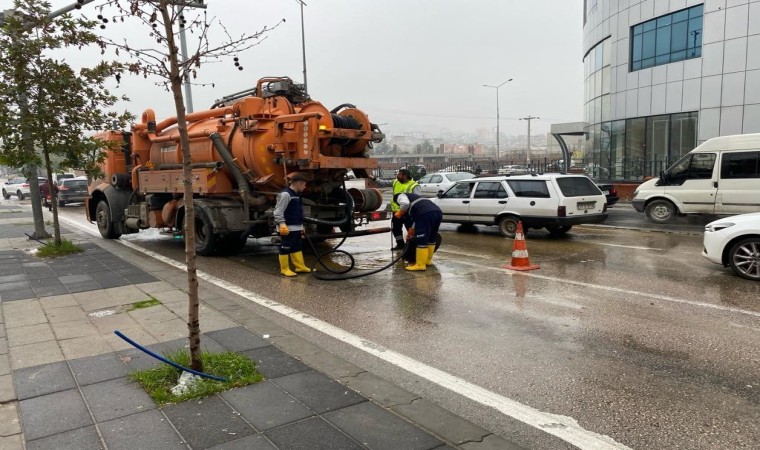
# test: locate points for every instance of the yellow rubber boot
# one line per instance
(285, 267)
(298, 263)
(431, 250)
(422, 255)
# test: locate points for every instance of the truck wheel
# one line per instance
(745, 258)
(20, 195)
(508, 226)
(205, 241)
(661, 211)
(103, 219)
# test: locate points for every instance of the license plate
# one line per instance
(586, 205)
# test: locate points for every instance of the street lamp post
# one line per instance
(303, 46)
(497, 114)
(527, 152)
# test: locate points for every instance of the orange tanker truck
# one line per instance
(241, 150)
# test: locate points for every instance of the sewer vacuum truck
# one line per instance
(242, 149)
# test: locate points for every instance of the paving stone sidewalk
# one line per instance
(64, 374)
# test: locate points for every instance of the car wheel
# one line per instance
(61, 203)
(6, 195)
(744, 258)
(661, 211)
(508, 226)
(20, 195)
(104, 221)
(558, 231)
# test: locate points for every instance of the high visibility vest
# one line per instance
(401, 188)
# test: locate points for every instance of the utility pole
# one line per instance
(527, 153)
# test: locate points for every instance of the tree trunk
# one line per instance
(193, 322)
(53, 200)
(34, 195)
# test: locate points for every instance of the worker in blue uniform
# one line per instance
(422, 219)
(288, 215)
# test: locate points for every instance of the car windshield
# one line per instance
(577, 187)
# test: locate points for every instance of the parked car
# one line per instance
(18, 186)
(433, 183)
(513, 170)
(735, 242)
(552, 201)
(610, 192)
(72, 190)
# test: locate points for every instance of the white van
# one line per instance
(721, 176)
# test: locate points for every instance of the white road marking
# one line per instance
(625, 246)
(563, 427)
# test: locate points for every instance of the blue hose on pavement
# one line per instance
(161, 358)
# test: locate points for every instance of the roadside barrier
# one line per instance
(520, 259)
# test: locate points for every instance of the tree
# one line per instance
(161, 17)
(47, 106)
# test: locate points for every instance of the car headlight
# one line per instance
(635, 193)
(713, 227)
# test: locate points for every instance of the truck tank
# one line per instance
(242, 149)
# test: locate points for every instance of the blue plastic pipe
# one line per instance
(161, 358)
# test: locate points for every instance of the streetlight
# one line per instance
(497, 113)
(527, 153)
(303, 46)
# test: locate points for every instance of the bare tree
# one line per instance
(164, 20)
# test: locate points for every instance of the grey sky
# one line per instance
(410, 64)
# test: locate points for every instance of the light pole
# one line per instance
(497, 113)
(527, 153)
(303, 46)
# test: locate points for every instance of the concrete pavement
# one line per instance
(64, 374)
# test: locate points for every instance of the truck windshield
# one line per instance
(696, 166)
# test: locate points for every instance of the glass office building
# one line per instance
(663, 76)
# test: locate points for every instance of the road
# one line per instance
(625, 329)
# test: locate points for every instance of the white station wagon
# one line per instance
(552, 201)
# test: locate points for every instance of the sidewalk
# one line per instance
(64, 374)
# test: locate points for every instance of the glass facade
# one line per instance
(670, 38)
(635, 148)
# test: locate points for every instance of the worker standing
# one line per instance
(422, 218)
(402, 184)
(288, 215)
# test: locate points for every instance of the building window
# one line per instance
(666, 39)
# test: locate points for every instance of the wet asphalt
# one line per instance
(625, 327)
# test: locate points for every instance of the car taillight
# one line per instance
(63, 188)
(25, 185)
(561, 211)
(613, 191)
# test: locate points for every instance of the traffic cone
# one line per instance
(520, 260)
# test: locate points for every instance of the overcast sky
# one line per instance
(410, 64)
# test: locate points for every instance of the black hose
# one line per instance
(341, 274)
(341, 106)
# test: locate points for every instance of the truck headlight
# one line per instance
(713, 227)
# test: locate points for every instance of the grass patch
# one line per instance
(51, 250)
(152, 301)
(237, 369)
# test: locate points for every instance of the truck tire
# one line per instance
(508, 226)
(103, 219)
(205, 240)
(661, 211)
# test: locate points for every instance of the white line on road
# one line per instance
(563, 427)
(625, 246)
